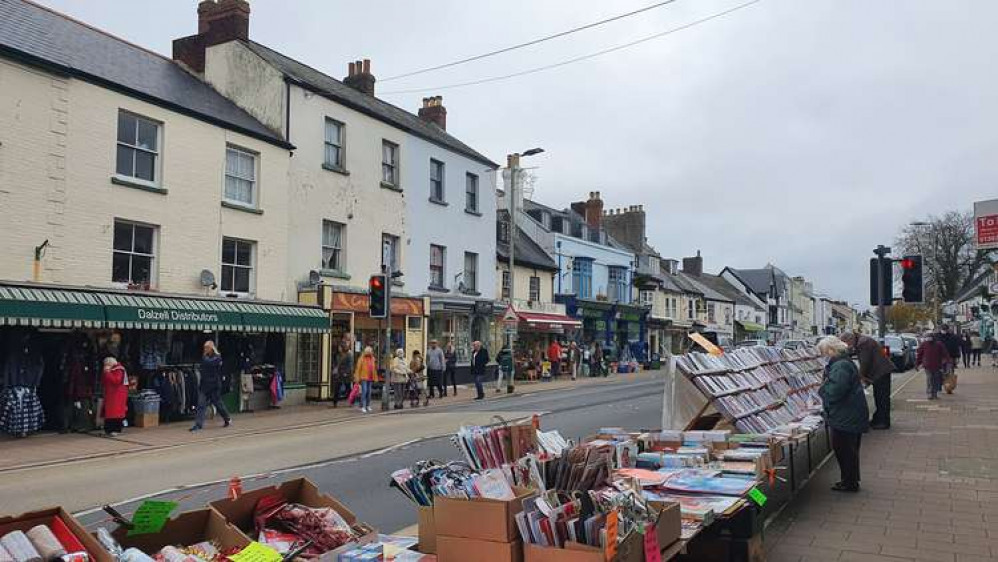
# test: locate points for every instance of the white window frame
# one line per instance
(534, 288)
(504, 290)
(131, 253)
(391, 166)
(339, 144)
(394, 260)
(156, 152)
(438, 184)
(647, 297)
(253, 181)
(251, 289)
(338, 250)
(471, 192)
(471, 275)
(443, 267)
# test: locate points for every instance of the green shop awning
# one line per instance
(751, 326)
(147, 312)
(48, 307)
(283, 318)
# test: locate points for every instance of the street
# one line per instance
(350, 460)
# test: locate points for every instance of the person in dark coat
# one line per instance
(450, 369)
(479, 360)
(210, 386)
(845, 410)
(966, 349)
(875, 369)
(342, 371)
(955, 349)
(932, 356)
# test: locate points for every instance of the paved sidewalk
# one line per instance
(52, 448)
(930, 486)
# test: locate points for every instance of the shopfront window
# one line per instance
(462, 338)
(309, 352)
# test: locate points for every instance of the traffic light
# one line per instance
(911, 279)
(378, 287)
(887, 288)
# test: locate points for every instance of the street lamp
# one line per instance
(513, 164)
(933, 265)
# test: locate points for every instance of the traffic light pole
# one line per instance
(882, 262)
(386, 385)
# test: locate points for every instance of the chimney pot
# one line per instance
(352, 69)
(433, 111)
(218, 22)
(360, 77)
(367, 66)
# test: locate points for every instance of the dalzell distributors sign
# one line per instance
(224, 315)
(154, 315)
(986, 224)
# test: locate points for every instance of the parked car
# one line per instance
(750, 343)
(793, 344)
(898, 352)
(911, 341)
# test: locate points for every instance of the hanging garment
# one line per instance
(276, 388)
(20, 411)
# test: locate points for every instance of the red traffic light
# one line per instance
(375, 282)
(907, 263)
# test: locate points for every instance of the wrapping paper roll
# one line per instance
(45, 542)
(20, 548)
(135, 555)
(4, 555)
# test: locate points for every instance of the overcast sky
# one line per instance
(797, 132)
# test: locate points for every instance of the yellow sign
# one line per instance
(256, 552)
(705, 343)
(610, 549)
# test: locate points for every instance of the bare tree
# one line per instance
(949, 257)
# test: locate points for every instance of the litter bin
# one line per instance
(145, 408)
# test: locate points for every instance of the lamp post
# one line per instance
(933, 267)
(513, 164)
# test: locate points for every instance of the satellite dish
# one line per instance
(207, 278)
(314, 278)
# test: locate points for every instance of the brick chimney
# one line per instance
(594, 211)
(433, 111)
(360, 78)
(626, 225)
(693, 266)
(219, 21)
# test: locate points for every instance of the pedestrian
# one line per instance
(846, 413)
(399, 378)
(210, 386)
(953, 346)
(976, 347)
(450, 370)
(479, 360)
(554, 356)
(587, 357)
(505, 361)
(875, 369)
(966, 347)
(436, 365)
(115, 382)
(574, 360)
(931, 356)
(343, 371)
(417, 380)
(598, 367)
(365, 373)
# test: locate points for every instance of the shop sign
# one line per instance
(986, 224)
(171, 316)
(630, 316)
(357, 302)
(591, 313)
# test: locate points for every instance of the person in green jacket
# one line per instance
(846, 412)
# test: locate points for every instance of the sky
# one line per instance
(795, 132)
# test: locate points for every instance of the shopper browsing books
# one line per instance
(875, 369)
(845, 408)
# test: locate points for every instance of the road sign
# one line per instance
(510, 316)
(986, 224)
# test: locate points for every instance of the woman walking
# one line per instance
(966, 346)
(399, 378)
(976, 347)
(845, 408)
(343, 371)
(115, 382)
(210, 386)
(931, 356)
(365, 374)
(417, 380)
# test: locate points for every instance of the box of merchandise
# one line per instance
(187, 530)
(460, 549)
(68, 533)
(573, 552)
(241, 512)
(479, 518)
(659, 441)
(427, 530)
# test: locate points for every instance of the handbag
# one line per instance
(354, 393)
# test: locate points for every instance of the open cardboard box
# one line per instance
(427, 530)
(26, 521)
(669, 527)
(186, 529)
(479, 518)
(460, 549)
(302, 491)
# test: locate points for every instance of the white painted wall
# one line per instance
(603, 256)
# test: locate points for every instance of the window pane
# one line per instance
(228, 251)
(126, 127)
(125, 164)
(147, 134)
(244, 253)
(145, 163)
(242, 280)
(123, 236)
(141, 269)
(239, 190)
(227, 277)
(143, 240)
(248, 166)
(119, 268)
(330, 258)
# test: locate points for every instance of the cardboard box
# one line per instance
(479, 518)
(26, 521)
(459, 549)
(147, 419)
(302, 491)
(573, 552)
(427, 531)
(670, 523)
(186, 529)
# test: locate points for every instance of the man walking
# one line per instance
(875, 369)
(574, 359)
(479, 360)
(554, 356)
(435, 365)
(931, 356)
(505, 360)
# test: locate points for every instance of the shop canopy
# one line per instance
(751, 326)
(541, 320)
(58, 307)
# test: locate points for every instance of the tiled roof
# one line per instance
(364, 103)
(43, 37)
(528, 253)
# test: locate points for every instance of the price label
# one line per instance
(150, 517)
(256, 552)
(758, 497)
(653, 552)
(610, 549)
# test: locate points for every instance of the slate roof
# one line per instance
(42, 37)
(721, 285)
(528, 253)
(339, 92)
(685, 285)
(709, 292)
(757, 280)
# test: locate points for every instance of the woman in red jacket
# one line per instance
(932, 356)
(115, 382)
